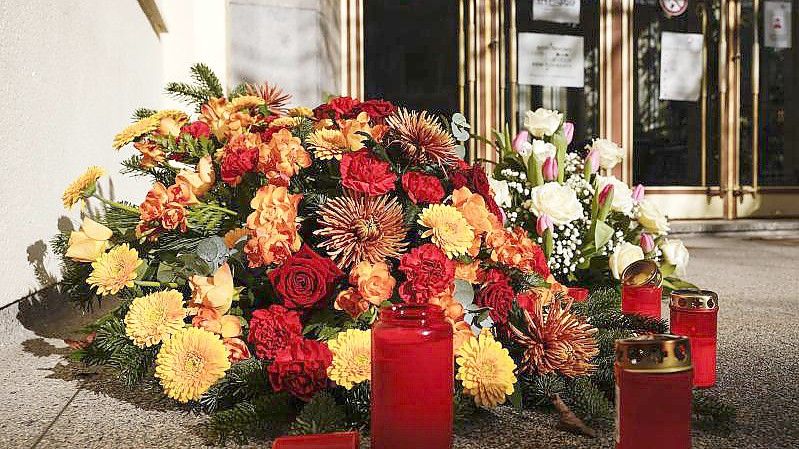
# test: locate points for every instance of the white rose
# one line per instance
(558, 201)
(623, 256)
(542, 122)
(622, 194)
(501, 192)
(651, 218)
(610, 154)
(542, 150)
(675, 253)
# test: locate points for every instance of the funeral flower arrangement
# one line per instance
(589, 222)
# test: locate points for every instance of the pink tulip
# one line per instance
(647, 243)
(520, 140)
(605, 193)
(568, 132)
(638, 193)
(593, 160)
(550, 169)
(544, 222)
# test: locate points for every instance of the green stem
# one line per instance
(156, 284)
(222, 209)
(121, 206)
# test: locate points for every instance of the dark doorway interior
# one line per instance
(411, 53)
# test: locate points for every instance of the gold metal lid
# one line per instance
(694, 299)
(641, 273)
(659, 353)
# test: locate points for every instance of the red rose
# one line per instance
(239, 159)
(422, 188)
(497, 294)
(428, 273)
(273, 329)
(378, 110)
(363, 172)
(301, 368)
(305, 278)
(197, 129)
(337, 108)
(479, 182)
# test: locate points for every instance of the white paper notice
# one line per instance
(551, 60)
(777, 24)
(560, 11)
(680, 66)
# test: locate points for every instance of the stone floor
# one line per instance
(46, 402)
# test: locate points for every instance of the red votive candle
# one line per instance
(653, 392)
(337, 440)
(579, 294)
(694, 313)
(412, 378)
(641, 300)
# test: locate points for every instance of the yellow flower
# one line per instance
(82, 187)
(190, 362)
(244, 102)
(115, 270)
(153, 318)
(136, 130)
(486, 370)
(352, 357)
(90, 242)
(300, 111)
(290, 122)
(328, 144)
(449, 230)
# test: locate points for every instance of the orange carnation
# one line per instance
(283, 156)
(351, 302)
(374, 281)
(153, 206)
(473, 207)
(269, 246)
(467, 271)
(516, 249)
(462, 332)
(274, 207)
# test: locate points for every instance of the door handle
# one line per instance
(744, 190)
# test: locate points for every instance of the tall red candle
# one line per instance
(653, 392)
(641, 300)
(412, 378)
(694, 313)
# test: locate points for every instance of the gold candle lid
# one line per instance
(694, 299)
(658, 353)
(641, 273)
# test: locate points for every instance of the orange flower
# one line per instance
(202, 179)
(274, 207)
(283, 156)
(516, 249)
(462, 332)
(351, 302)
(351, 129)
(268, 246)
(237, 349)
(233, 236)
(151, 153)
(208, 318)
(154, 203)
(181, 192)
(224, 123)
(453, 310)
(374, 281)
(467, 271)
(473, 207)
(174, 217)
(215, 292)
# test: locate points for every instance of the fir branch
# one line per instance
(142, 113)
(537, 389)
(243, 381)
(321, 415)
(132, 166)
(588, 401)
(356, 402)
(112, 347)
(712, 414)
(250, 419)
(206, 86)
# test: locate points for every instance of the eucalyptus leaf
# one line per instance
(602, 234)
(460, 127)
(464, 292)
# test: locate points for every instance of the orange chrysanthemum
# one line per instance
(422, 138)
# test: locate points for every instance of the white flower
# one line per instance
(501, 192)
(622, 195)
(558, 201)
(525, 149)
(651, 218)
(542, 150)
(542, 122)
(623, 255)
(675, 253)
(610, 154)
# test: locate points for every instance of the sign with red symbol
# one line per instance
(674, 8)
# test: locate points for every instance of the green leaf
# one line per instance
(602, 234)
(515, 398)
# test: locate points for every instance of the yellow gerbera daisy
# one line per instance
(290, 122)
(82, 187)
(174, 114)
(153, 318)
(449, 229)
(328, 143)
(115, 270)
(352, 357)
(244, 102)
(486, 370)
(190, 362)
(136, 130)
(301, 111)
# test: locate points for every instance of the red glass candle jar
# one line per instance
(641, 300)
(412, 378)
(653, 392)
(694, 313)
(578, 293)
(336, 440)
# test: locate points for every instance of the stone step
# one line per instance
(741, 225)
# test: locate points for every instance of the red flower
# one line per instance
(378, 110)
(305, 278)
(273, 329)
(239, 159)
(497, 294)
(363, 172)
(197, 129)
(301, 368)
(428, 273)
(337, 108)
(476, 180)
(528, 300)
(422, 188)
(540, 262)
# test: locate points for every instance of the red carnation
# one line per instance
(239, 158)
(197, 129)
(337, 108)
(301, 368)
(378, 110)
(497, 294)
(273, 329)
(422, 188)
(363, 172)
(428, 273)
(305, 278)
(540, 262)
